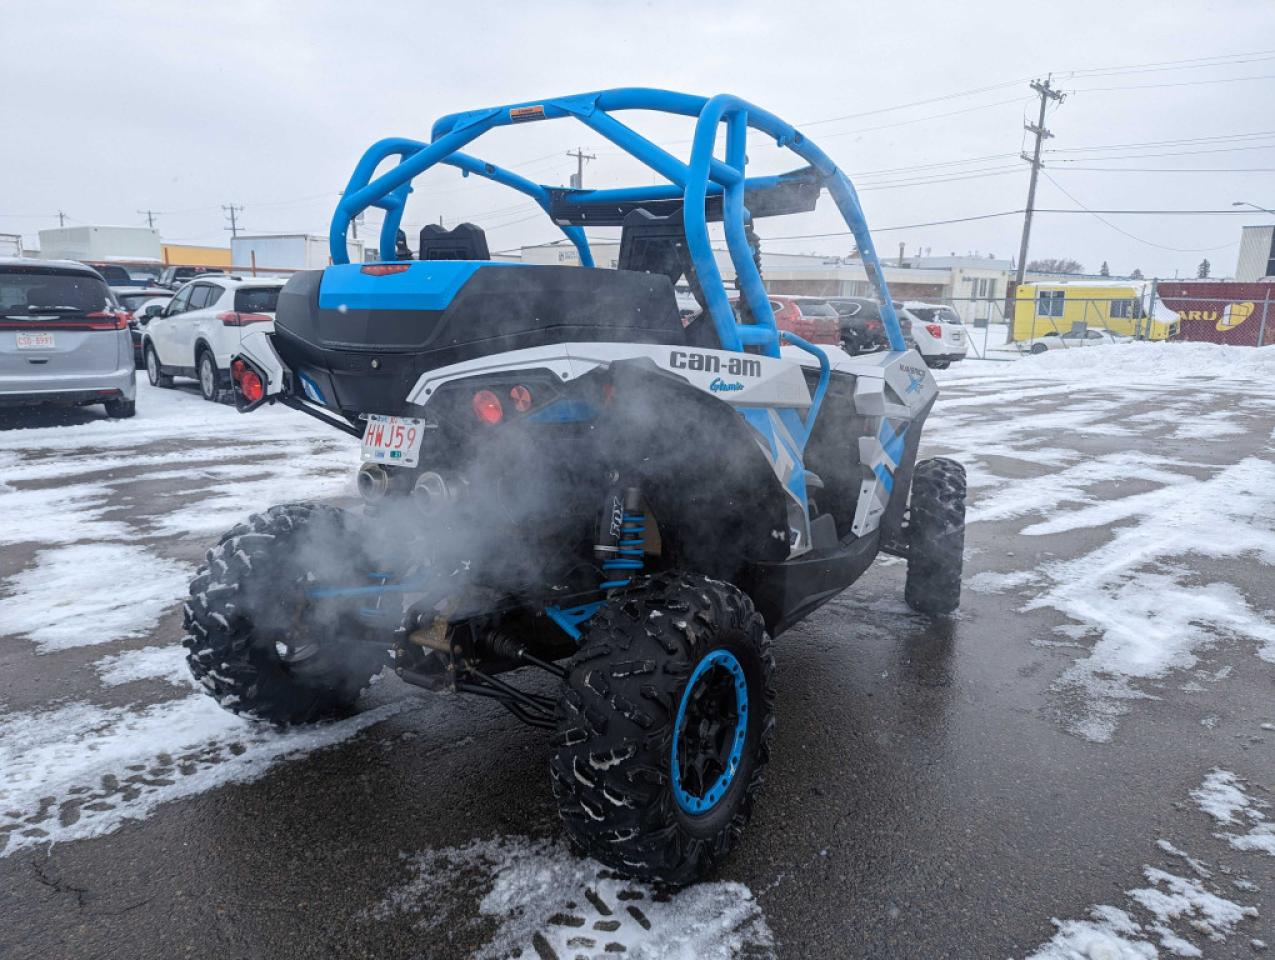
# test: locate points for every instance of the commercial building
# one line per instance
(975, 286)
(1257, 254)
(118, 244)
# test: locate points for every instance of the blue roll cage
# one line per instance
(692, 182)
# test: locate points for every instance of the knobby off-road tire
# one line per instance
(936, 536)
(612, 769)
(255, 640)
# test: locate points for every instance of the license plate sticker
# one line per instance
(34, 341)
(395, 441)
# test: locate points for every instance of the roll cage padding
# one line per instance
(703, 177)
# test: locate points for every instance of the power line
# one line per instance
(1181, 83)
(1126, 233)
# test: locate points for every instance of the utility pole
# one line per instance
(232, 212)
(1046, 93)
(577, 178)
(150, 217)
(61, 219)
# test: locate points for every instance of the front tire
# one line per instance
(936, 537)
(255, 639)
(154, 372)
(664, 728)
(938, 364)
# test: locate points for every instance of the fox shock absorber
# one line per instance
(621, 535)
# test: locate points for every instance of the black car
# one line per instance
(862, 329)
(174, 277)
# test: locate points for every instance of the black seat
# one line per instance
(463, 242)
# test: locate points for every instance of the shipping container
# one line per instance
(1222, 311)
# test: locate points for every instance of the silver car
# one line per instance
(63, 338)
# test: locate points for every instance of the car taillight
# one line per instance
(251, 387)
(487, 407)
(934, 330)
(108, 319)
(873, 326)
(521, 397)
(385, 269)
(232, 318)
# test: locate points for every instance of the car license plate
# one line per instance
(34, 341)
(392, 440)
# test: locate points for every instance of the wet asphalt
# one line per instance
(924, 798)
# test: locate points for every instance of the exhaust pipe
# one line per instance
(373, 482)
(432, 493)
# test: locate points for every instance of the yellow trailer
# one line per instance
(1042, 308)
(188, 255)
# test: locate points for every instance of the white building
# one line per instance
(970, 284)
(1257, 254)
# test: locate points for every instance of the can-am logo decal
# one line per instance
(712, 363)
(721, 386)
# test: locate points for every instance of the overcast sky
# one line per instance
(111, 108)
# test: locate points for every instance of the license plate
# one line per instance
(392, 440)
(35, 341)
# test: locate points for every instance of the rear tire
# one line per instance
(254, 638)
(209, 376)
(938, 364)
(154, 372)
(679, 667)
(1038, 348)
(120, 409)
(936, 537)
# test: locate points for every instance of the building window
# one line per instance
(1121, 309)
(1049, 303)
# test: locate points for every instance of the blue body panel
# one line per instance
(424, 285)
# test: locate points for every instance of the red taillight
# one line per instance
(874, 326)
(521, 397)
(487, 407)
(108, 319)
(385, 269)
(934, 330)
(233, 319)
(251, 387)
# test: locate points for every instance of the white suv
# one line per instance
(937, 332)
(199, 330)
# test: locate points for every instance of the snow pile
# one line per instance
(81, 770)
(548, 902)
(1135, 362)
(1222, 797)
(90, 593)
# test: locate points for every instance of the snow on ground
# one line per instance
(101, 501)
(1195, 481)
(1223, 798)
(1178, 913)
(80, 770)
(90, 593)
(166, 663)
(548, 902)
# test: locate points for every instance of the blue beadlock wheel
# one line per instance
(712, 723)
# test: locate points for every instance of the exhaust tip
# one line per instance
(373, 482)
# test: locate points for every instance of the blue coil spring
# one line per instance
(628, 550)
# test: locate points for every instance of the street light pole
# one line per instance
(1245, 203)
